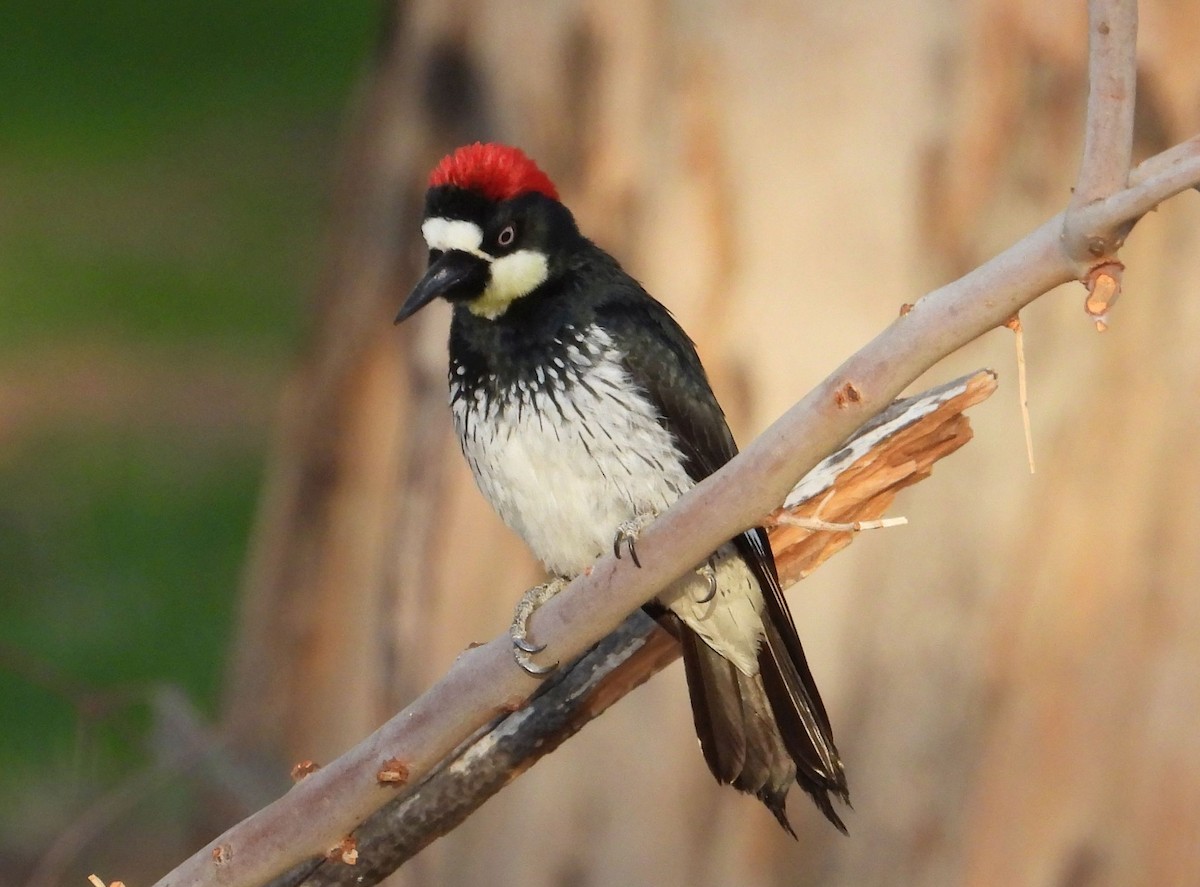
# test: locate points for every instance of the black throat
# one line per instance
(546, 328)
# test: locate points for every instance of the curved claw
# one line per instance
(633, 554)
(711, 575)
(526, 646)
(532, 668)
(628, 539)
(627, 534)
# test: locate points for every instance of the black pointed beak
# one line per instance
(454, 275)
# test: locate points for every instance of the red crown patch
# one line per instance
(498, 172)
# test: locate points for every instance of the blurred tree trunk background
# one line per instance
(1014, 678)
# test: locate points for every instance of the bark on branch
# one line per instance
(858, 482)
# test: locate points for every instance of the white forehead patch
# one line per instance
(447, 234)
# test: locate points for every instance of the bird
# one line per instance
(583, 410)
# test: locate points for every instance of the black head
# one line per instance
(495, 229)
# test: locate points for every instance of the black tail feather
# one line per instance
(752, 731)
(763, 733)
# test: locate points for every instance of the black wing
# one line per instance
(663, 361)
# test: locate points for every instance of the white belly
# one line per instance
(565, 465)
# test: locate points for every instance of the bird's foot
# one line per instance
(523, 648)
(709, 572)
(628, 532)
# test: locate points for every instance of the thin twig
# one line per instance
(1014, 324)
(823, 526)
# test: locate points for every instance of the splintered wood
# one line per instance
(858, 483)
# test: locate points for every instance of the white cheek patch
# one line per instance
(517, 274)
(448, 234)
(513, 276)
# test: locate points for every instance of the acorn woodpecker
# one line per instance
(583, 410)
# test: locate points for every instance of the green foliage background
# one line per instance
(163, 175)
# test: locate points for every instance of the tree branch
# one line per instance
(1112, 82)
(860, 481)
(1107, 152)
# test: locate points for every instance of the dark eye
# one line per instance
(507, 235)
(434, 255)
